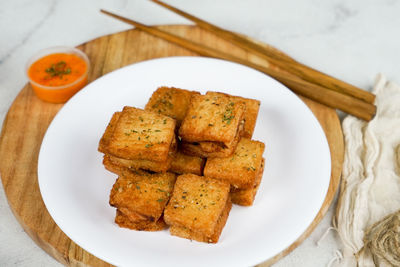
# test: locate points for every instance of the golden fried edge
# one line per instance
(245, 197)
(143, 193)
(170, 101)
(200, 124)
(234, 173)
(183, 163)
(198, 236)
(123, 221)
(251, 114)
(182, 208)
(139, 142)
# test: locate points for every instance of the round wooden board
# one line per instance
(28, 118)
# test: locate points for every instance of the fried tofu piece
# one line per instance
(251, 114)
(197, 204)
(187, 164)
(212, 119)
(210, 149)
(133, 216)
(143, 193)
(113, 167)
(123, 221)
(105, 139)
(115, 164)
(139, 134)
(170, 101)
(142, 164)
(119, 166)
(199, 236)
(214, 122)
(127, 212)
(241, 169)
(245, 197)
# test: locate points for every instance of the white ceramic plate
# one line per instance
(75, 186)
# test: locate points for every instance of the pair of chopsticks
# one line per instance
(301, 79)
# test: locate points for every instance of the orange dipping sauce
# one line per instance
(57, 76)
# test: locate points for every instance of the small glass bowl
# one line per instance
(58, 94)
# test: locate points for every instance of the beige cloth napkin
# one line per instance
(370, 186)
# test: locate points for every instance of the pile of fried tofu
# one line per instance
(182, 161)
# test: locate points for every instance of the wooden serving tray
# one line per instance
(28, 118)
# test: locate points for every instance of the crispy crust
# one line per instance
(240, 170)
(143, 193)
(170, 101)
(245, 197)
(118, 165)
(212, 119)
(142, 164)
(196, 203)
(251, 114)
(187, 164)
(133, 216)
(211, 149)
(112, 167)
(139, 134)
(123, 221)
(199, 236)
(196, 150)
(105, 139)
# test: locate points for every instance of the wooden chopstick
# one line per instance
(333, 99)
(278, 59)
(228, 35)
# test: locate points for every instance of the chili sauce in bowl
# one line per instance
(57, 73)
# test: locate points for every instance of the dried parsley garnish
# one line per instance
(58, 69)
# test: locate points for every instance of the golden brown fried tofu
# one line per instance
(245, 197)
(113, 167)
(141, 164)
(251, 114)
(241, 169)
(170, 101)
(187, 164)
(197, 203)
(210, 149)
(139, 134)
(123, 221)
(133, 216)
(143, 193)
(116, 164)
(199, 236)
(215, 122)
(105, 139)
(212, 119)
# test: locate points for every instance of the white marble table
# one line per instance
(351, 40)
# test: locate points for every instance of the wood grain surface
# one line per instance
(28, 118)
